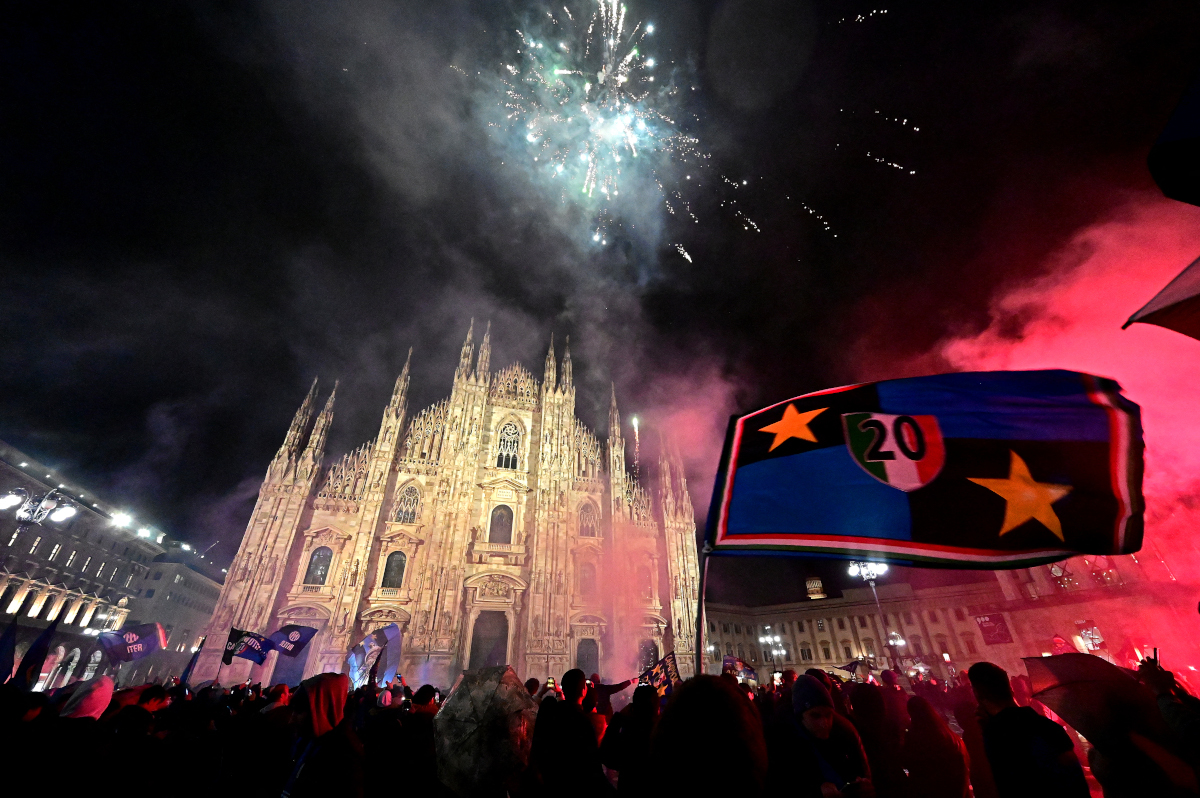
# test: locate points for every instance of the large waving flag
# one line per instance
(253, 647)
(967, 470)
(290, 640)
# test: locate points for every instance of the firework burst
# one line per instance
(592, 115)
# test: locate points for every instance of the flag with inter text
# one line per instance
(133, 642)
(231, 644)
(290, 640)
(966, 470)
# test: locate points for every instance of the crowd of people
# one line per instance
(812, 734)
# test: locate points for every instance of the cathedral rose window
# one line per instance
(510, 444)
(408, 506)
(500, 529)
(318, 566)
(393, 571)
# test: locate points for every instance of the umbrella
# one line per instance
(1176, 307)
(484, 731)
(1108, 706)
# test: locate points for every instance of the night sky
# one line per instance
(203, 207)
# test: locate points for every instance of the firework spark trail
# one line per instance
(583, 103)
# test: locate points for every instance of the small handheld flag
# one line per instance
(968, 470)
(191, 666)
(253, 647)
(290, 640)
(133, 643)
(235, 637)
(664, 676)
(738, 668)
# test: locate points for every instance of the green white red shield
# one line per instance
(906, 452)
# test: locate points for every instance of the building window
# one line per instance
(741, 652)
(725, 628)
(13, 539)
(820, 624)
(589, 525)
(318, 566)
(933, 616)
(959, 614)
(869, 645)
(178, 579)
(100, 570)
(712, 628)
(943, 646)
(408, 505)
(825, 651)
(908, 617)
(54, 551)
(36, 542)
(765, 657)
(969, 642)
(806, 654)
(787, 654)
(915, 642)
(71, 558)
(113, 575)
(157, 574)
(841, 624)
(846, 651)
(500, 528)
(128, 579)
(737, 628)
(862, 622)
(150, 593)
(587, 580)
(85, 564)
(393, 571)
(509, 446)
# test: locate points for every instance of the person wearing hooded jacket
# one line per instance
(327, 756)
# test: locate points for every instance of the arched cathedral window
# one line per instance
(408, 506)
(589, 525)
(510, 444)
(500, 528)
(318, 566)
(393, 571)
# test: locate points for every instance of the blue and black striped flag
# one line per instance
(966, 470)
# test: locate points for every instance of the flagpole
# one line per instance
(700, 625)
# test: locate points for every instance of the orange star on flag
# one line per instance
(794, 424)
(1026, 498)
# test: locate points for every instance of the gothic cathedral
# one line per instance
(492, 527)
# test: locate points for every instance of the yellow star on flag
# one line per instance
(1025, 497)
(794, 424)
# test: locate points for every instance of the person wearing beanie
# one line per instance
(811, 754)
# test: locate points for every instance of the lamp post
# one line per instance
(776, 648)
(869, 572)
(32, 509)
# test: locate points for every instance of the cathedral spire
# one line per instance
(550, 376)
(295, 434)
(400, 392)
(464, 358)
(666, 484)
(566, 366)
(314, 453)
(485, 354)
(614, 417)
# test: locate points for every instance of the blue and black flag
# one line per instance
(235, 637)
(663, 677)
(253, 647)
(134, 642)
(290, 640)
(968, 470)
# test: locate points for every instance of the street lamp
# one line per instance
(776, 649)
(33, 509)
(869, 572)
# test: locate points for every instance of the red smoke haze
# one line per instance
(1071, 318)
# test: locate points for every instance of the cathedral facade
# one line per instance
(493, 527)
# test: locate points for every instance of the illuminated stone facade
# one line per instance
(492, 526)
